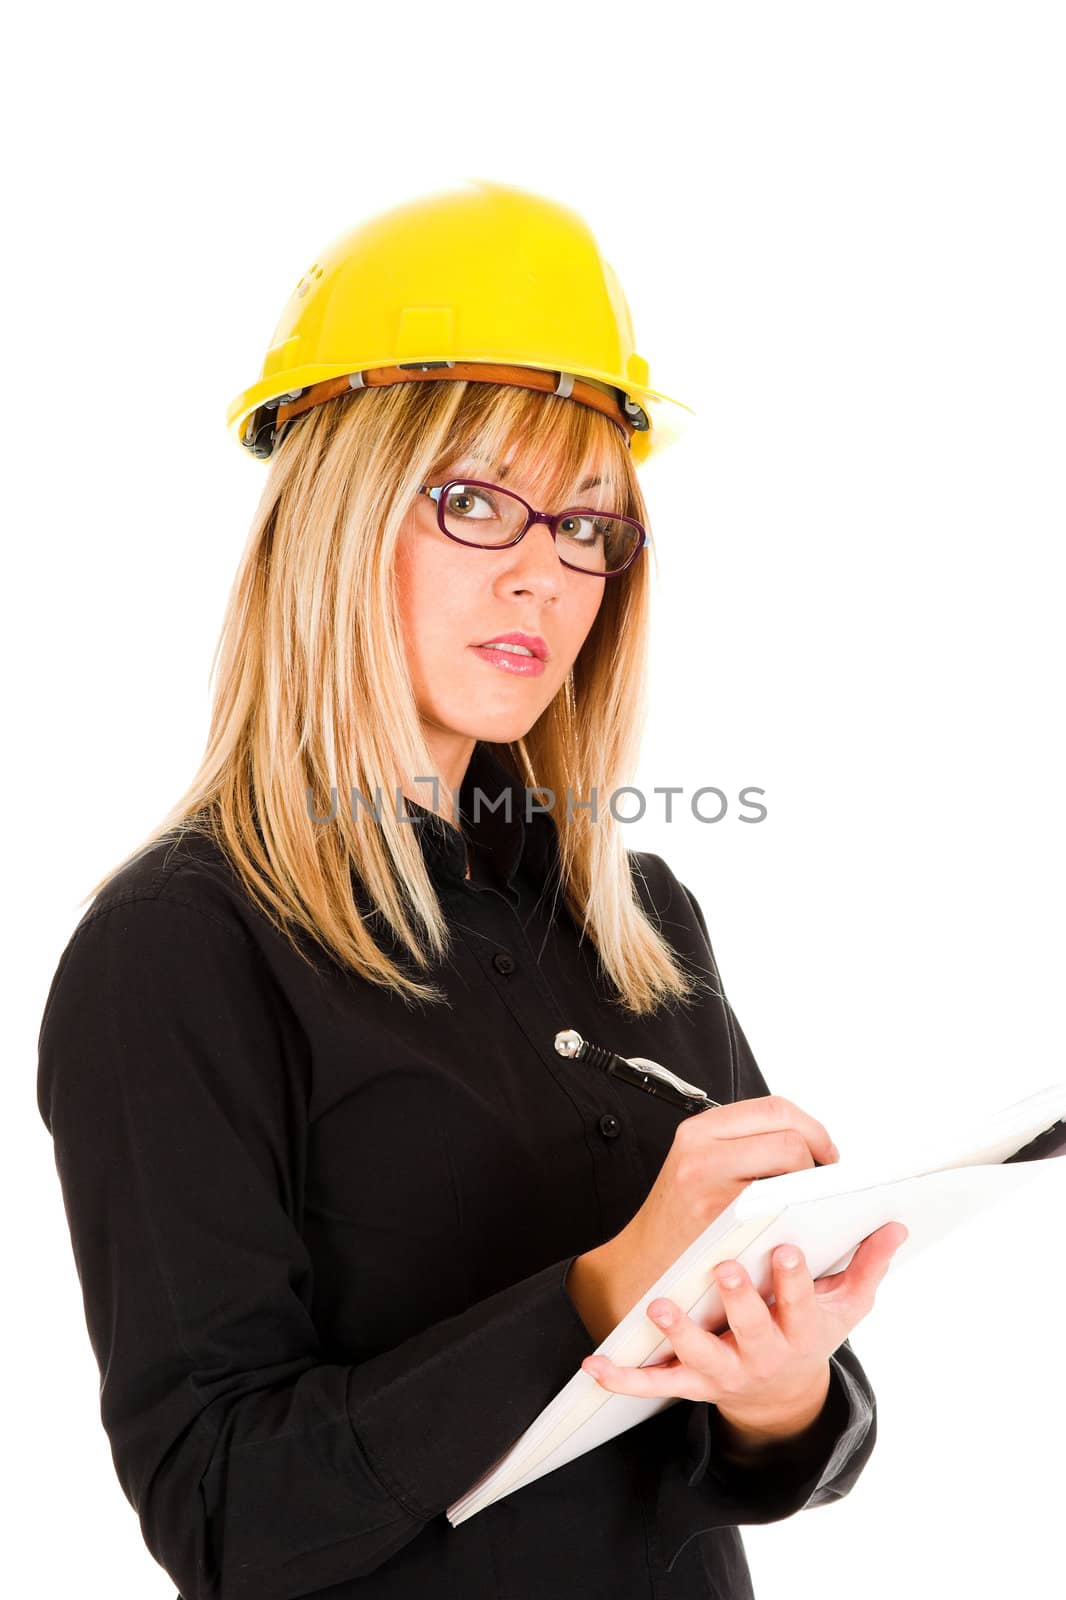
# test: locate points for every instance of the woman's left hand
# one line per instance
(773, 1360)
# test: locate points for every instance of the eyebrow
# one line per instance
(501, 472)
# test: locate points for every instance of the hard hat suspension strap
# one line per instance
(611, 402)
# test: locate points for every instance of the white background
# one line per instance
(840, 230)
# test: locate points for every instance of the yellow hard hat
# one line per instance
(487, 283)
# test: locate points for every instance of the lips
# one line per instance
(519, 666)
(531, 642)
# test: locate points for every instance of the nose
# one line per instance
(535, 560)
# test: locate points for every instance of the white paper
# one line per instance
(940, 1183)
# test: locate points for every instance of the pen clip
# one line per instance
(691, 1090)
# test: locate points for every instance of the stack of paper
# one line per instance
(934, 1185)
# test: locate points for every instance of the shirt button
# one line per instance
(610, 1127)
(503, 962)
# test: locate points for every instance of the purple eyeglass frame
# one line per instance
(436, 492)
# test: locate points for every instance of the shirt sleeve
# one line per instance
(702, 1485)
(172, 1078)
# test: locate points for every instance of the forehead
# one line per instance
(499, 471)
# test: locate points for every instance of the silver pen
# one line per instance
(637, 1070)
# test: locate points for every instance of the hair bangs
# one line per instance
(544, 446)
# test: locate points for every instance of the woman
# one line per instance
(345, 1222)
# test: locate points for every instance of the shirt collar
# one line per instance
(502, 840)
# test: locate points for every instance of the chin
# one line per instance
(494, 724)
(500, 729)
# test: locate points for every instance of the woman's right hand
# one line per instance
(714, 1155)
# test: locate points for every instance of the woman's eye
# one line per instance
(461, 500)
(586, 530)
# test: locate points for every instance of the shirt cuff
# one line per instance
(438, 1411)
(704, 1490)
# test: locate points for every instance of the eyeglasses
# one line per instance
(491, 518)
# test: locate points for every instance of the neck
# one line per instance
(450, 753)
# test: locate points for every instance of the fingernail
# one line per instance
(728, 1279)
(789, 1258)
(662, 1312)
(834, 1153)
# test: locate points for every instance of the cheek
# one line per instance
(585, 618)
(580, 620)
(426, 595)
(407, 583)
(420, 586)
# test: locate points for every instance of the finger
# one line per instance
(750, 1318)
(714, 1355)
(859, 1281)
(765, 1114)
(874, 1256)
(671, 1378)
(795, 1304)
(648, 1382)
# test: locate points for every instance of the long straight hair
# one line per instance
(311, 689)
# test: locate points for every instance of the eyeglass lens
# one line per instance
(492, 516)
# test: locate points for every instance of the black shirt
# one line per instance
(323, 1236)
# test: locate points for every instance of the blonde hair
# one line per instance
(311, 689)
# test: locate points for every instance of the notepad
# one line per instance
(937, 1183)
